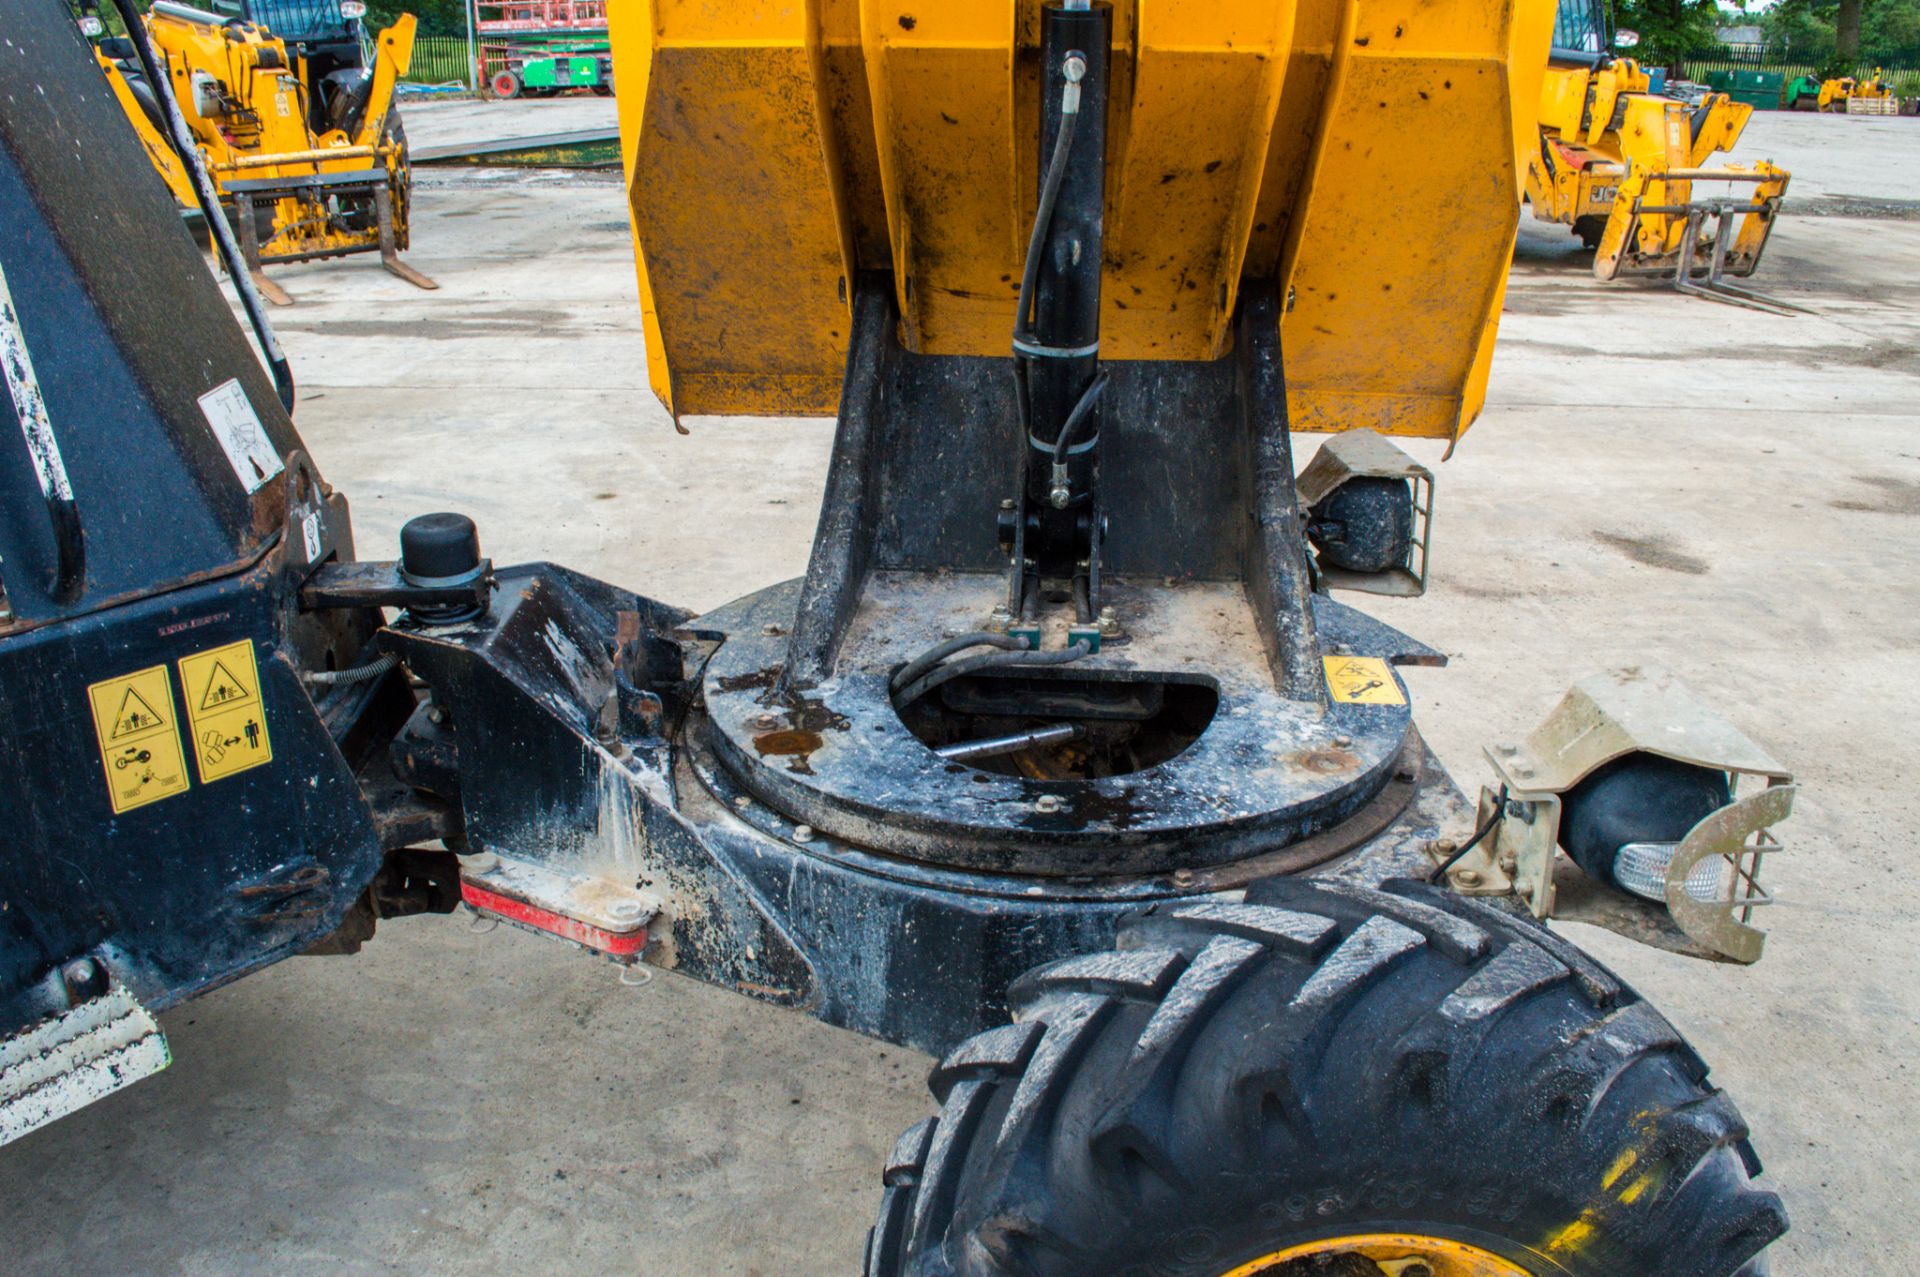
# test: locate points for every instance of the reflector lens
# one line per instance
(91, 26)
(352, 9)
(1641, 868)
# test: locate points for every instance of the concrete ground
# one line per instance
(1656, 479)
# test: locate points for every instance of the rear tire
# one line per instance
(1590, 230)
(1324, 1062)
(506, 84)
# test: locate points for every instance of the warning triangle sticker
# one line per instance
(223, 688)
(135, 716)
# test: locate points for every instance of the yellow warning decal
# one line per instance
(1362, 680)
(226, 719)
(133, 719)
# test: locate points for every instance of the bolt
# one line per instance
(1506, 749)
(1343, 741)
(764, 721)
(771, 630)
(1444, 846)
(742, 802)
(1524, 886)
(625, 910)
(1006, 503)
(1048, 803)
(803, 833)
(435, 714)
(1183, 877)
(1522, 771)
(1508, 862)
(1467, 877)
(484, 863)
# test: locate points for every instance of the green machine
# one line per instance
(543, 74)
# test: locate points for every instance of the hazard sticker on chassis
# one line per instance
(226, 717)
(133, 719)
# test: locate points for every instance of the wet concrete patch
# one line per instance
(1896, 496)
(1654, 551)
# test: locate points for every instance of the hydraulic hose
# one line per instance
(1036, 245)
(939, 652)
(988, 660)
(182, 138)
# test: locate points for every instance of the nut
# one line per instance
(803, 833)
(1183, 877)
(765, 721)
(1047, 803)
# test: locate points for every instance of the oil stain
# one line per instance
(758, 681)
(1654, 551)
(1898, 496)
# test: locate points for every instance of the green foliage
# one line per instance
(1806, 31)
(1669, 29)
(437, 17)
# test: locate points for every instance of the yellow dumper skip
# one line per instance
(776, 150)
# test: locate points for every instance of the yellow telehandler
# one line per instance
(303, 144)
(1617, 163)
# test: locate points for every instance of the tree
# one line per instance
(1846, 32)
(1669, 29)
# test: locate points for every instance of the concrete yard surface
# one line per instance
(1657, 479)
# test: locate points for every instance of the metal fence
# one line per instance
(438, 59)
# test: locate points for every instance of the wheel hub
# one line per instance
(1384, 1255)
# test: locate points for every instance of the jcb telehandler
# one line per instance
(1618, 164)
(1064, 718)
(301, 137)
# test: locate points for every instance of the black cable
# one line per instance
(189, 150)
(986, 660)
(1499, 809)
(941, 651)
(1030, 274)
(1079, 414)
(1043, 221)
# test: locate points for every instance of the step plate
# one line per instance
(66, 1063)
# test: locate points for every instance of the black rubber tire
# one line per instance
(1590, 230)
(1324, 1060)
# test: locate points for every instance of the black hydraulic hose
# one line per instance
(986, 660)
(1043, 221)
(1078, 415)
(182, 138)
(1030, 273)
(941, 651)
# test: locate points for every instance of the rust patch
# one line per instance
(1329, 760)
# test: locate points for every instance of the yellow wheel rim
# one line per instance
(1394, 1254)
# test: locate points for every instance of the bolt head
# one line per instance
(625, 910)
(772, 630)
(1047, 803)
(1183, 877)
(764, 721)
(1467, 877)
(1343, 741)
(803, 833)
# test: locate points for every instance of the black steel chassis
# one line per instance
(578, 727)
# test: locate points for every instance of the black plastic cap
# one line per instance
(439, 545)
